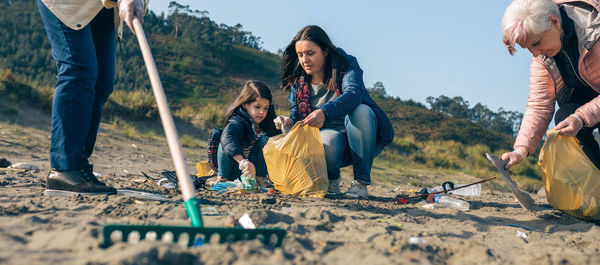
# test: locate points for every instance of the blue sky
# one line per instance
(416, 48)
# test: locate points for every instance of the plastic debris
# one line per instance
(402, 201)
(521, 234)
(416, 240)
(164, 182)
(453, 203)
(246, 222)
(248, 183)
(25, 166)
(142, 195)
(431, 205)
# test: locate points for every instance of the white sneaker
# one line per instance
(357, 190)
(334, 187)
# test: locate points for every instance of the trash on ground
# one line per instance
(432, 206)
(164, 182)
(248, 183)
(246, 222)
(416, 240)
(453, 203)
(25, 166)
(142, 195)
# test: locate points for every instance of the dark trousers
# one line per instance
(586, 138)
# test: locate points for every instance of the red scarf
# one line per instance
(303, 97)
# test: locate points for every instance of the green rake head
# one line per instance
(190, 236)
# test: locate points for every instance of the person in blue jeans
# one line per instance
(82, 35)
(327, 92)
(249, 125)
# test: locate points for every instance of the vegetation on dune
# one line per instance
(203, 64)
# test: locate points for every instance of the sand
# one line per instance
(38, 229)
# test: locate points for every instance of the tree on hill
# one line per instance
(377, 90)
(502, 121)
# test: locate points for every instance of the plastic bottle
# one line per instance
(473, 190)
(248, 183)
(453, 203)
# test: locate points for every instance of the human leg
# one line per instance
(585, 135)
(361, 126)
(76, 63)
(228, 167)
(257, 158)
(77, 71)
(335, 145)
(104, 37)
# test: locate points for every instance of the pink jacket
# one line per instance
(545, 81)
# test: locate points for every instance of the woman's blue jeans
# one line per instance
(358, 146)
(85, 62)
(228, 167)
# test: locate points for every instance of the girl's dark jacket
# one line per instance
(240, 132)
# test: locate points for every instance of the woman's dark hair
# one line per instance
(335, 63)
(252, 91)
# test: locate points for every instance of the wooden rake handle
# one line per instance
(183, 175)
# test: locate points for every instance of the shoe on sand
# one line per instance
(74, 182)
(334, 187)
(357, 190)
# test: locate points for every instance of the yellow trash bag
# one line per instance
(571, 180)
(296, 162)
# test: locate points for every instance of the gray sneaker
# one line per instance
(334, 187)
(357, 190)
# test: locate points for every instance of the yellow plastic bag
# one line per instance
(296, 162)
(571, 180)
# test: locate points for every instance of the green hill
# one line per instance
(202, 65)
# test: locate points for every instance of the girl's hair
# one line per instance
(525, 20)
(252, 91)
(335, 63)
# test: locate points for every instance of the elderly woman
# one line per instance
(327, 92)
(562, 36)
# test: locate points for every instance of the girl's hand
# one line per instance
(247, 168)
(570, 126)
(283, 123)
(315, 119)
(513, 158)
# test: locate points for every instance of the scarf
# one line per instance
(303, 97)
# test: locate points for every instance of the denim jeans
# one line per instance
(85, 62)
(228, 167)
(358, 146)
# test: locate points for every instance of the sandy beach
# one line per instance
(38, 229)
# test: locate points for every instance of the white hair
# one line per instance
(525, 20)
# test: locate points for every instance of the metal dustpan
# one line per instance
(197, 233)
(524, 198)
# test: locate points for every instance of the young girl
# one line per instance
(249, 125)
